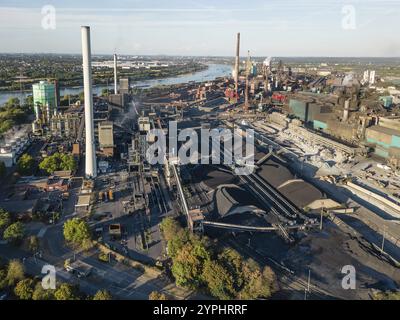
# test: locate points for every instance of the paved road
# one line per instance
(122, 281)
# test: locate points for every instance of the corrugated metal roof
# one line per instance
(385, 130)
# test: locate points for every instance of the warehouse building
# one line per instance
(386, 141)
(307, 110)
(124, 86)
(106, 138)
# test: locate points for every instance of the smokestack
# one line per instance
(115, 74)
(246, 93)
(346, 110)
(237, 62)
(90, 156)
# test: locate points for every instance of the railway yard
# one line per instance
(287, 214)
(301, 201)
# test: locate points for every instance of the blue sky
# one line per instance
(204, 27)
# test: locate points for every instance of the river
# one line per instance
(213, 71)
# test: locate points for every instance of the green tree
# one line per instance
(104, 92)
(76, 231)
(41, 294)
(24, 289)
(28, 104)
(68, 162)
(102, 295)
(5, 218)
(176, 243)
(50, 164)
(14, 232)
(58, 161)
(170, 228)
(15, 272)
(218, 280)
(66, 292)
(33, 243)
(12, 102)
(3, 279)
(388, 295)
(3, 169)
(81, 97)
(233, 262)
(155, 295)
(25, 164)
(103, 257)
(258, 284)
(187, 265)
(5, 124)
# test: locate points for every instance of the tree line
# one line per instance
(14, 113)
(197, 263)
(14, 280)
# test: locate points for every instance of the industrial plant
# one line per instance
(322, 191)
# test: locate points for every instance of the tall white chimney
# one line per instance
(115, 74)
(372, 77)
(237, 62)
(346, 110)
(90, 156)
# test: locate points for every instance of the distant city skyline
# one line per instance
(362, 28)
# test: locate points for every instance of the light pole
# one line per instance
(320, 222)
(383, 239)
(307, 290)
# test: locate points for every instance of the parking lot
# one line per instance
(139, 236)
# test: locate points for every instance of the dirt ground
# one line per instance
(324, 253)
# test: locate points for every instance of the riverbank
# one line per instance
(103, 77)
(211, 72)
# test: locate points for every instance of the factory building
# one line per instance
(212, 105)
(118, 100)
(299, 108)
(13, 144)
(106, 138)
(385, 140)
(65, 125)
(45, 99)
(124, 85)
(307, 110)
(386, 100)
(331, 125)
(391, 122)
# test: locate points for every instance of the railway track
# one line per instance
(287, 278)
(280, 206)
(157, 196)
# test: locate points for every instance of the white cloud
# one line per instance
(279, 28)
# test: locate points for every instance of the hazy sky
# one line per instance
(204, 27)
